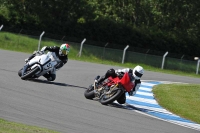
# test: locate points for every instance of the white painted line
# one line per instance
(147, 84)
(161, 110)
(180, 124)
(186, 124)
(145, 89)
(142, 100)
(144, 93)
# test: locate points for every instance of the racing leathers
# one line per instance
(51, 75)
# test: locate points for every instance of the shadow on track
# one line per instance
(126, 106)
(114, 104)
(54, 83)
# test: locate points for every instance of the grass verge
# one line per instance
(180, 99)
(12, 127)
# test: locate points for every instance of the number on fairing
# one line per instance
(48, 66)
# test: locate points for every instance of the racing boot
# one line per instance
(99, 80)
(49, 76)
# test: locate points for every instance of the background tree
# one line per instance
(171, 25)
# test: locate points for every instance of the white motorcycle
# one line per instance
(41, 64)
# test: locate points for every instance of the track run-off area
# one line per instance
(61, 106)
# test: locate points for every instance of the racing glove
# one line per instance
(134, 90)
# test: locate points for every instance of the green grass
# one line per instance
(181, 99)
(12, 127)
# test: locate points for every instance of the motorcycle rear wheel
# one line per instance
(30, 73)
(89, 93)
(106, 99)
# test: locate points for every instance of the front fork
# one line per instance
(111, 89)
(24, 68)
(100, 91)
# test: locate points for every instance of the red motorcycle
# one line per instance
(110, 90)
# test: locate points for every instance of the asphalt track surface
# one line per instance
(61, 105)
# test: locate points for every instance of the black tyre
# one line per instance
(122, 98)
(29, 74)
(89, 93)
(107, 99)
(20, 72)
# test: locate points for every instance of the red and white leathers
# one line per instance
(135, 79)
(136, 73)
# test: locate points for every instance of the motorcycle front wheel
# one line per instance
(20, 72)
(111, 97)
(30, 73)
(89, 93)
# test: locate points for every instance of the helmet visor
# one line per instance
(62, 52)
(138, 74)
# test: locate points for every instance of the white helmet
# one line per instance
(138, 71)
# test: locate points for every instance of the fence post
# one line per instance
(81, 47)
(40, 40)
(19, 36)
(198, 62)
(63, 38)
(181, 60)
(163, 61)
(146, 54)
(198, 66)
(1, 27)
(124, 53)
(104, 50)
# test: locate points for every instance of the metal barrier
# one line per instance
(117, 55)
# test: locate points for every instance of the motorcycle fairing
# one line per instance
(42, 59)
(45, 62)
(53, 56)
(124, 81)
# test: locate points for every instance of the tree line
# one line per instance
(163, 25)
